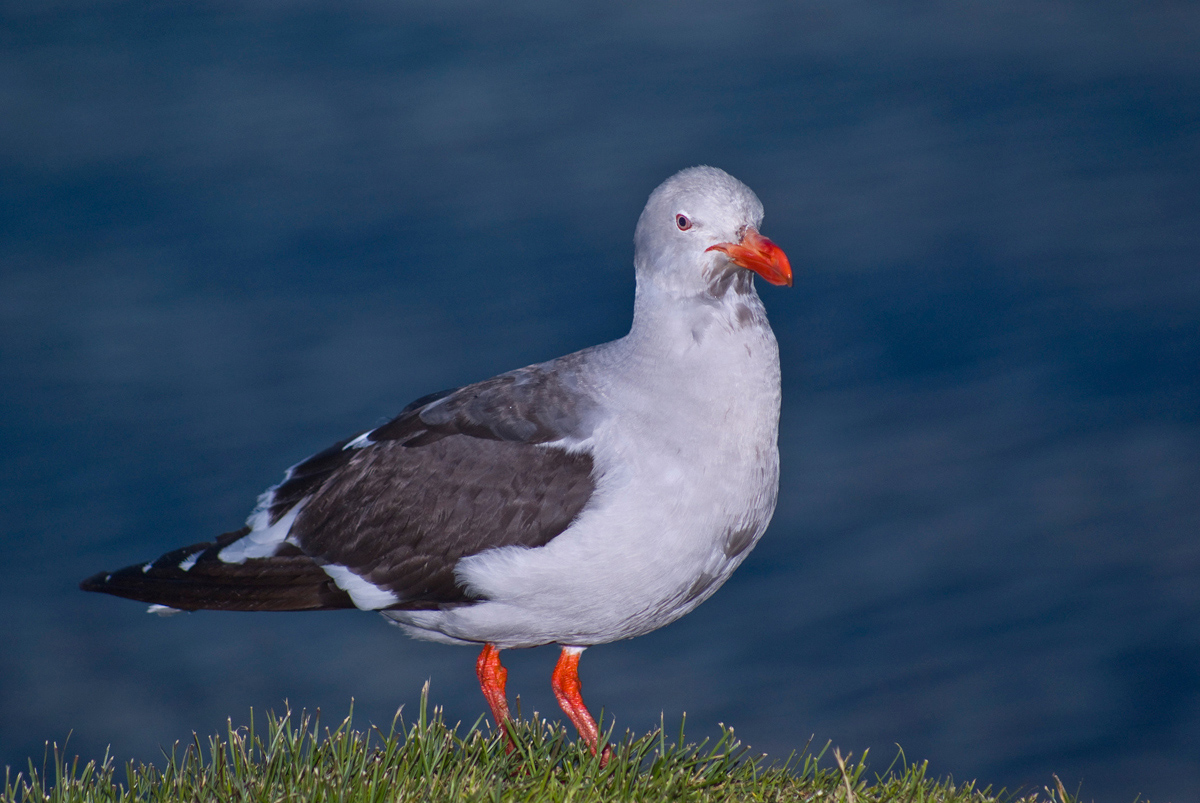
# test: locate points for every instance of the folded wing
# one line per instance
(380, 520)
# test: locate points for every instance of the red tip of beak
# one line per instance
(760, 255)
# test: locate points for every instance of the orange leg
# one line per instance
(492, 676)
(567, 688)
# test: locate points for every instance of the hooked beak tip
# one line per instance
(758, 254)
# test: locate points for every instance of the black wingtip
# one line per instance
(285, 582)
(97, 582)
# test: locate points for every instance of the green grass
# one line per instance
(293, 758)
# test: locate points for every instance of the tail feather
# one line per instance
(195, 578)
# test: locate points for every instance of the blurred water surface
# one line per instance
(234, 232)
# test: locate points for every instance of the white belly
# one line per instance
(680, 501)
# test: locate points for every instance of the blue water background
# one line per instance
(234, 232)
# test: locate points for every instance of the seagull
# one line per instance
(595, 497)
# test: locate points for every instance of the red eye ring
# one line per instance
(682, 222)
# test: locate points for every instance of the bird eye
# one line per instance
(682, 222)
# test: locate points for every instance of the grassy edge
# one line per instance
(429, 761)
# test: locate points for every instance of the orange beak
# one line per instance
(760, 255)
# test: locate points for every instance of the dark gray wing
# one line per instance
(401, 517)
(498, 463)
(539, 404)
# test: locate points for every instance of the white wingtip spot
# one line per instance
(190, 560)
(260, 517)
(260, 543)
(163, 610)
(148, 567)
(360, 442)
(366, 595)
